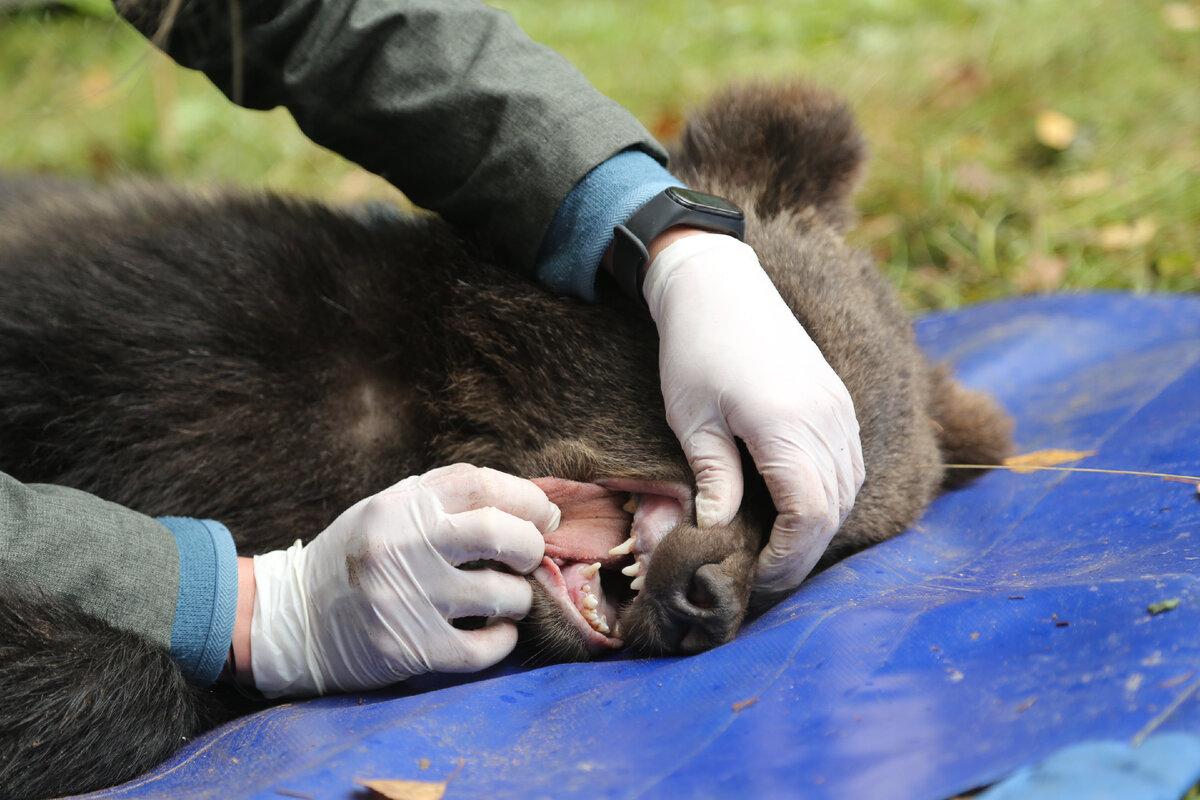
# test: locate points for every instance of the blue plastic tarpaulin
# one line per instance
(1011, 622)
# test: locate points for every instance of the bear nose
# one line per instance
(703, 611)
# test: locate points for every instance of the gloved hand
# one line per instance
(735, 362)
(369, 601)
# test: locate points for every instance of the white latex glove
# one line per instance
(735, 362)
(369, 601)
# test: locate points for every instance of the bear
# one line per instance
(267, 361)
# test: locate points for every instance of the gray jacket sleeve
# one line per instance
(171, 580)
(446, 99)
(113, 563)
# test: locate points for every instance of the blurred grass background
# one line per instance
(1017, 145)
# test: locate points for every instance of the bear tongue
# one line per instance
(593, 521)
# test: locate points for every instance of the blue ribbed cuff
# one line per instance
(583, 225)
(207, 602)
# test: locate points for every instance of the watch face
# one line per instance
(708, 203)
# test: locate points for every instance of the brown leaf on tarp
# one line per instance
(743, 704)
(1171, 683)
(406, 790)
(1045, 458)
(412, 790)
(1055, 129)
(1163, 606)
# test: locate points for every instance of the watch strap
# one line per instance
(665, 210)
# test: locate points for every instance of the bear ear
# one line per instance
(779, 148)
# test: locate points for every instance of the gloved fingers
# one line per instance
(715, 460)
(779, 570)
(479, 649)
(462, 487)
(841, 439)
(822, 430)
(849, 482)
(490, 534)
(791, 553)
(806, 497)
(858, 475)
(480, 593)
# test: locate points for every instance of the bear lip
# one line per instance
(595, 521)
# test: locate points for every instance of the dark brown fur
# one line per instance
(267, 362)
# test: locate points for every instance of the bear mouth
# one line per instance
(597, 560)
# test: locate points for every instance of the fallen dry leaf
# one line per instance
(975, 179)
(1045, 458)
(95, 87)
(667, 125)
(959, 83)
(744, 704)
(1124, 236)
(1171, 683)
(1055, 129)
(1181, 17)
(1087, 184)
(872, 228)
(1041, 273)
(1154, 609)
(356, 185)
(406, 790)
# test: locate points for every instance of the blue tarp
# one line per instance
(1009, 623)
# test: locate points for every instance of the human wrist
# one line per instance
(240, 650)
(668, 238)
(280, 632)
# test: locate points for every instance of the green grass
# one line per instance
(962, 202)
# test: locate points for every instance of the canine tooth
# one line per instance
(590, 601)
(631, 504)
(590, 570)
(633, 569)
(624, 548)
(637, 583)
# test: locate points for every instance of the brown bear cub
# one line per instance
(267, 362)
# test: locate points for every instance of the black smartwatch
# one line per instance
(671, 207)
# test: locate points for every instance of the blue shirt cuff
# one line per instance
(583, 225)
(207, 602)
